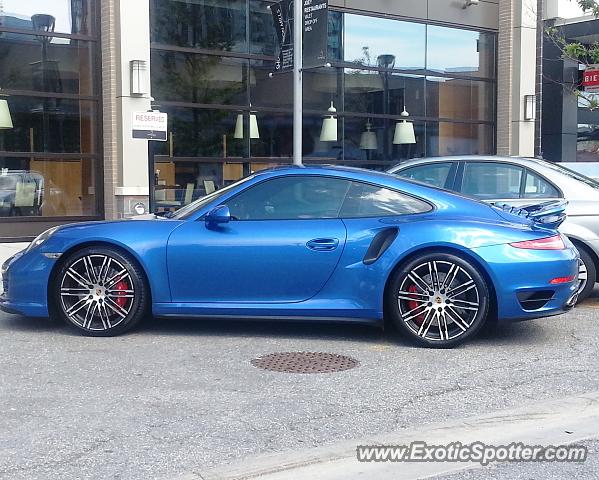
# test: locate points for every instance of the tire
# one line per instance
(100, 291)
(588, 274)
(454, 312)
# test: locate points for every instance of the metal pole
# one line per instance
(298, 29)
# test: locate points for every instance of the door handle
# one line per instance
(323, 244)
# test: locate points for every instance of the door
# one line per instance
(282, 245)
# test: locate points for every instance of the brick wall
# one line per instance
(504, 76)
(108, 30)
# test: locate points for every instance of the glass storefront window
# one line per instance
(204, 133)
(206, 79)
(379, 69)
(67, 16)
(453, 51)
(335, 28)
(368, 91)
(50, 125)
(587, 143)
(317, 151)
(445, 138)
(275, 140)
(206, 24)
(38, 187)
(178, 182)
(460, 99)
(266, 91)
(321, 87)
(263, 40)
(48, 70)
(29, 63)
(384, 43)
(380, 153)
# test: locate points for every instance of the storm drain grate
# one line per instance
(305, 362)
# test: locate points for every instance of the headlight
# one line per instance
(41, 238)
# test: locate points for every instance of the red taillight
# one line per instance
(560, 280)
(547, 243)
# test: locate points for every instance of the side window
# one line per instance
(537, 187)
(492, 180)
(291, 198)
(364, 200)
(432, 173)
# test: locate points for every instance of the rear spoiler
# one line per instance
(549, 214)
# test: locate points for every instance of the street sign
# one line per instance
(150, 126)
(590, 80)
(316, 22)
(315, 30)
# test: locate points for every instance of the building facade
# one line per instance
(76, 71)
(570, 127)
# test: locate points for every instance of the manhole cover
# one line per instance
(305, 362)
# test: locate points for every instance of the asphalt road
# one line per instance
(179, 397)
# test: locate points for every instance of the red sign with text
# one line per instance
(590, 80)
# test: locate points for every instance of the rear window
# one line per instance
(365, 200)
(571, 173)
(432, 173)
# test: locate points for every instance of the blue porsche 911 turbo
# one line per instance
(314, 243)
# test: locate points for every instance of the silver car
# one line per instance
(522, 181)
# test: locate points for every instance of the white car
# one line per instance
(517, 182)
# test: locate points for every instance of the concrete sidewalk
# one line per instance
(7, 250)
(565, 421)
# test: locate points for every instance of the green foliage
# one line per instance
(584, 54)
(576, 51)
(589, 6)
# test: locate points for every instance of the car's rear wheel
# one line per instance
(100, 291)
(587, 274)
(438, 300)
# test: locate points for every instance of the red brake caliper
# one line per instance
(121, 300)
(413, 304)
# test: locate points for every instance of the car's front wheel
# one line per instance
(100, 291)
(438, 300)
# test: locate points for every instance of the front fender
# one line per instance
(145, 244)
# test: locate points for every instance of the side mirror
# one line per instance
(217, 216)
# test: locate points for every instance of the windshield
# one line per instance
(572, 174)
(193, 207)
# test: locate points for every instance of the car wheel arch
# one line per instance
(578, 243)
(443, 249)
(102, 244)
(585, 250)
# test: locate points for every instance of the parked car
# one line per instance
(520, 181)
(316, 243)
(21, 193)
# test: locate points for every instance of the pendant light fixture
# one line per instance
(404, 130)
(329, 126)
(239, 127)
(5, 118)
(254, 131)
(368, 140)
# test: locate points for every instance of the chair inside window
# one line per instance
(188, 194)
(209, 186)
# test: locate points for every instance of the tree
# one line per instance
(589, 6)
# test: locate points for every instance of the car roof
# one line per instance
(469, 158)
(319, 169)
(388, 180)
